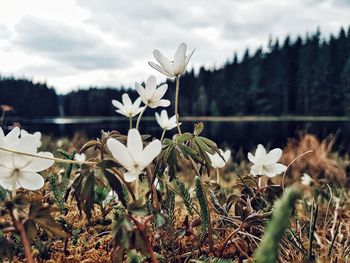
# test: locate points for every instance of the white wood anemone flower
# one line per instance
(266, 163)
(151, 95)
(133, 157)
(306, 179)
(20, 171)
(127, 108)
(216, 159)
(175, 67)
(165, 122)
(80, 157)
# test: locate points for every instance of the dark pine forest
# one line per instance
(301, 76)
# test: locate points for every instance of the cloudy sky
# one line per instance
(78, 43)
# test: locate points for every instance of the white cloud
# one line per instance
(78, 43)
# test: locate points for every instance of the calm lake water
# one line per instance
(233, 132)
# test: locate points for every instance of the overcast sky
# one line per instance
(71, 44)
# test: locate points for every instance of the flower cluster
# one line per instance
(151, 95)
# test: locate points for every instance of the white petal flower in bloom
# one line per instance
(127, 108)
(151, 95)
(133, 157)
(164, 121)
(172, 68)
(306, 179)
(266, 163)
(217, 161)
(19, 170)
(80, 157)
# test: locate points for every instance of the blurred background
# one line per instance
(263, 71)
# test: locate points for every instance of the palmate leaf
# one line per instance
(40, 215)
(83, 190)
(113, 180)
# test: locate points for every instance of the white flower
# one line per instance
(133, 157)
(110, 198)
(266, 163)
(172, 68)
(306, 179)
(36, 136)
(165, 122)
(17, 170)
(216, 159)
(80, 157)
(152, 96)
(127, 108)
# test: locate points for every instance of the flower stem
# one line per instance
(137, 186)
(25, 239)
(217, 176)
(47, 158)
(130, 122)
(140, 116)
(177, 103)
(163, 134)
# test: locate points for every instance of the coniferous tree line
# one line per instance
(302, 76)
(27, 98)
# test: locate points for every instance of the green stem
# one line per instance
(177, 103)
(163, 134)
(140, 116)
(130, 122)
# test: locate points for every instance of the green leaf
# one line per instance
(198, 128)
(113, 180)
(40, 214)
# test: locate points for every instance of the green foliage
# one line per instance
(3, 194)
(113, 180)
(83, 190)
(59, 189)
(186, 197)
(169, 206)
(274, 231)
(40, 215)
(202, 200)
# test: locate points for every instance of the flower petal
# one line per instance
(120, 153)
(273, 156)
(126, 100)
(227, 155)
(12, 138)
(30, 180)
(256, 170)
(274, 169)
(260, 154)
(117, 104)
(160, 92)
(151, 86)
(160, 103)
(6, 178)
(37, 164)
(160, 69)
(251, 157)
(188, 57)
(134, 144)
(150, 152)
(179, 59)
(140, 90)
(130, 176)
(163, 61)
